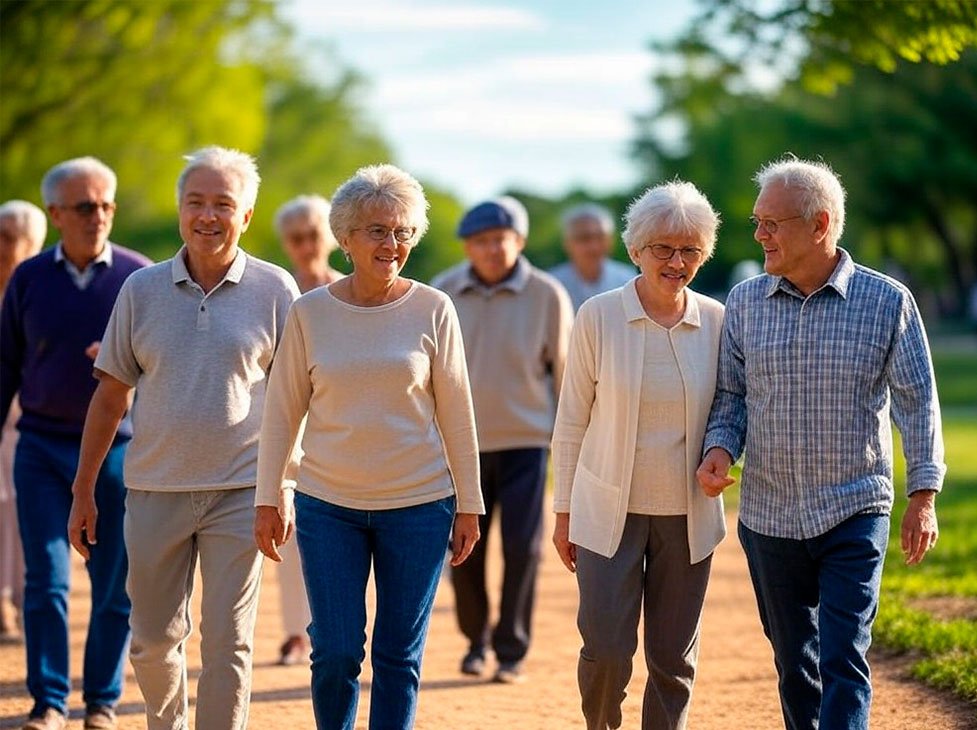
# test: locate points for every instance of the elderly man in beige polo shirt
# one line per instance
(515, 320)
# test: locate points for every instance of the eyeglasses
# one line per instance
(379, 233)
(770, 225)
(664, 252)
(87, 208)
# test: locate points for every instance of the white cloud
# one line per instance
(367, 17)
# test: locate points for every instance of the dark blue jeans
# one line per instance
(514, 481)
(406, 549)
(817, 600)
(44, 468)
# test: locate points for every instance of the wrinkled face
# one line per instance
(15, 246)
(493, 253)
(84, 228)
(587, 244)
(304, 243)
(668, 277)
(212, 218)
(794, 248)
(378, 261)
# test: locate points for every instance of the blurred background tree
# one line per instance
(899, 134)
(861, 83)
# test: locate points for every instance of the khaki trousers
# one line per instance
(166, 533)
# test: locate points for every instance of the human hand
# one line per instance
(561, 539)
(464, 535)
(270, 531)
(920, 529)
(92, 349)
(81, 523)
(713, 473)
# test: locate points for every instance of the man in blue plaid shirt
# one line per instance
(816, 355)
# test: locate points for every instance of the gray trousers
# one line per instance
(652, 563)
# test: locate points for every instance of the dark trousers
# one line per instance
(514, 481)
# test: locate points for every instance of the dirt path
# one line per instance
(736, 687)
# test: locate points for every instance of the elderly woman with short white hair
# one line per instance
(389, 473)
(631, 520)
(302, 225)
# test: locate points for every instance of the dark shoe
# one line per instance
(99, 717)
(510, 673)
(46, 719)
(294, 651)
(473, 664)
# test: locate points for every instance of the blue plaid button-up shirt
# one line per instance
(806, 386)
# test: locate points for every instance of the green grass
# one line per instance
(956, 378)
(946, 648)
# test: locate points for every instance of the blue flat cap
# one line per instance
(503, 212)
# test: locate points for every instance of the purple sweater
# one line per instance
(46, 323)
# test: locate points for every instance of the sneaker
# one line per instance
(509, 673)
(99, 717)
(294, 651)
(46, 719)
(473, 664)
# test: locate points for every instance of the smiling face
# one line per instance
(493, 253)
(212, 218)
(796, 248)
(667, 278)
(378, 263)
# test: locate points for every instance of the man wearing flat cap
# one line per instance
(515, 320)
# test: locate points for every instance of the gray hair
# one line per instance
(588, 211)
(313, 208)
(29, 219)
(75, 167)
(672, 208)
(381, 185)
(818, 185)
(235, 162)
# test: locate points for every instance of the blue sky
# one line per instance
(480, 96)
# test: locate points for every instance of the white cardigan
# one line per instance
(595, 436)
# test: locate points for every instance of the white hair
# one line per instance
(313, 208)
(235, 162)
(381, 185)
(29, 219)
(588, 211)
(672, 208)
(76, 167)
(818, 185)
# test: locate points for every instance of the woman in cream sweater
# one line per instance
(389, 471)
(630, 518)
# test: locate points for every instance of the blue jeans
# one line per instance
(44, 468)
(817, 600)
(406, 548)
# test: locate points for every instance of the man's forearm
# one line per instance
(105, 413)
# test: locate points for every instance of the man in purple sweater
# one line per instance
(54, 313)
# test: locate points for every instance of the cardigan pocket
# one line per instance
(595, 513)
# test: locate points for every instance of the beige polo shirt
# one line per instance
(516, 338)
(199, 363)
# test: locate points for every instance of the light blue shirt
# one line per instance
(806, 386)
(612, 275)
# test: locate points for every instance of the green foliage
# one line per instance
(901, 142)
(827, 38)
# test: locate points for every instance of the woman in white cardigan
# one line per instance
(631, 521)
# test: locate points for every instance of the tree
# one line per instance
(828, 38)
